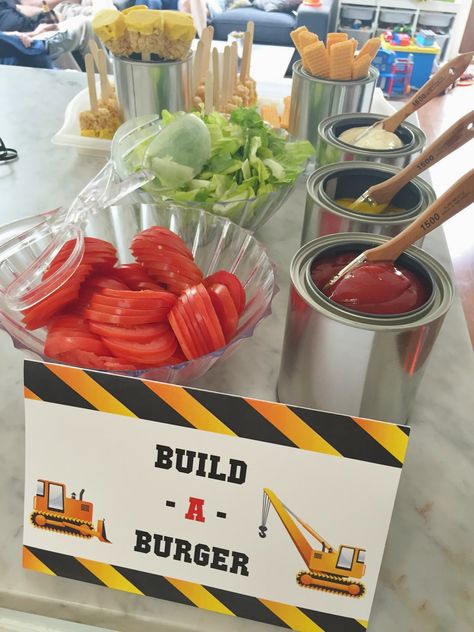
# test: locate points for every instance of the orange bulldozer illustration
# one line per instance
(54, 511)
(328, 569)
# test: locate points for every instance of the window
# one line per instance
(40, 488)
(346, 558)
(361, 556)
(56, 500)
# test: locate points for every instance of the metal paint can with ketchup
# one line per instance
(323, 215)
(353, 363)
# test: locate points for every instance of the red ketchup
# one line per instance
(372, 287)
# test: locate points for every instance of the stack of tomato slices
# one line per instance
(158, 311)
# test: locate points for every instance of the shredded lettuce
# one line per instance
(248, 159)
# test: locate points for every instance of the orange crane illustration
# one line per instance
(328, 569)
(54, 511)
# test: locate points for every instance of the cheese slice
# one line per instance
(108, 24)
(144, 21)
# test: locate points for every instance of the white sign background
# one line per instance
(112, 457)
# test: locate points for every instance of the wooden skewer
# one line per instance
(94, 49)
(225, 76)
(197, 66)
(247, 53)
(105, 87)
(89, 61)
(207, 36)
(208, 93)
(146, 56)
(216, 76)
(234, 67)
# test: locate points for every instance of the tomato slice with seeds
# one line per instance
(225, 309)
(154, 352)
(90, 360)
(232, 283)
(60, 342)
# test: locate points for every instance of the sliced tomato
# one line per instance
(60, 342)
(158, 314)
(162, 238)
(145, 299)
(135, 277)
(68, 322)
(138, 333)
(192, 323)
(110, 282)
(151, 353)
(182, 334)
(125, 320)
(232, 283)
(211, 320)
(225, 309)
(90, 360)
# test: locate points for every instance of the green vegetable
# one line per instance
(246, 160)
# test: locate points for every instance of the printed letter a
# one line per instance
(195, 509)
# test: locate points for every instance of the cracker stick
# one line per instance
(234, 65)
(295, 37)
(285, 119)
(269, 113)
(316, 59)
(335, 38)
(371, 47)
(206, 37)
(225, 96)
(360, 67)
(340, 61)
(306, 38)
(354, 45)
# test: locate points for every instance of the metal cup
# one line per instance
(314, 99)
(348, 180)
(148, 87)
(329, 149)
(365, 365)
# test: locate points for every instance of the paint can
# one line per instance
(314, 99)
(148, 87)
(329, 149)
(349, 180)
(363, 365)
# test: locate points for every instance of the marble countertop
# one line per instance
(425, 581)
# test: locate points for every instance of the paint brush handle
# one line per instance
(457, 135)
(455, 199)
(445, 76)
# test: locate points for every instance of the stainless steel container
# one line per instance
(330, 149)
(313, 100)
(348, 180)
(362, 365)
(148, 87)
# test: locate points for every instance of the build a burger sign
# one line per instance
(245, 507)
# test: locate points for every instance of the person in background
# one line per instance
(19, 49)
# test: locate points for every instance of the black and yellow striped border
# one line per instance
(327, 433)
(177, 590)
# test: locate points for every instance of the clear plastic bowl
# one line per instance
(249, 213)
(216, 243)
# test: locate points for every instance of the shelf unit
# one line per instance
(450, 17)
